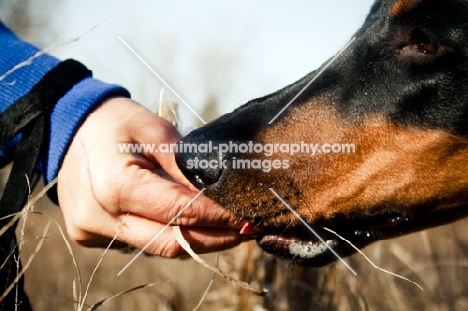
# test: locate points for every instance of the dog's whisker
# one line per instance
(258, 224)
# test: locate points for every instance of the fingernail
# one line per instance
(251, 229)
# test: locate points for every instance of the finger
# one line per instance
(166, 133)
(137, 190)
(138, 232)
(207, 239)
(158, 199)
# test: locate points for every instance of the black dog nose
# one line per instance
(205, 154)
(199, 162)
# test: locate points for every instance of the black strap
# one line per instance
(29, 115)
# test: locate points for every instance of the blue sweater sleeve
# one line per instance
(68, 113)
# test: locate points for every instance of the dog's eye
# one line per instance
(419, 45)
(428, 48)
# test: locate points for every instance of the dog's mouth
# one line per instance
(318, 245)
(283, 235)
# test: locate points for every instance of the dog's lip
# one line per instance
(298, 247)
(303, 247)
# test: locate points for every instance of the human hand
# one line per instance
(102, 191)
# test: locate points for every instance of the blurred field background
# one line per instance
(230, 64)
(436, 259)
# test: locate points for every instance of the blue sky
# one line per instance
(239, 50)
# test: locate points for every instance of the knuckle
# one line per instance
(82, 217)
(189, 216)
(166, 128)
(170, 249)
(110, 192)
(80, 226)
(76, 234)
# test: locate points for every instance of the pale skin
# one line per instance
(103, 192)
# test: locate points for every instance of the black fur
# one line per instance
(410, 68)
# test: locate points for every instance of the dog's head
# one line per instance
(388, 120)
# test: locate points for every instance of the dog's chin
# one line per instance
(306, 249)
(300, 252)
(319, 247)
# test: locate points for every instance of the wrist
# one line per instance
(66, 117)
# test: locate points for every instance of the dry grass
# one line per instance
(50, 279)
(437, 259)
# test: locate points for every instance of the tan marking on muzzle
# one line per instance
(404, 6)
(392, 166)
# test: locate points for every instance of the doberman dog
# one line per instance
(399, 93)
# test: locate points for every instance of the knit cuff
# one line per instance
(67, 115)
